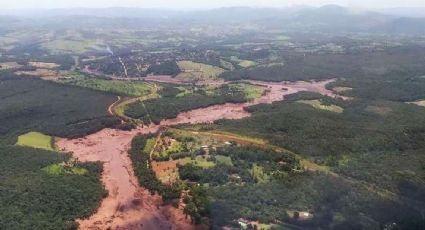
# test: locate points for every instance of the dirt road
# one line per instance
(129, 206)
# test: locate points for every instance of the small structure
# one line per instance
(205, 149)
(243, 223)
(303, 215)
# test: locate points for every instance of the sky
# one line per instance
(201, 4)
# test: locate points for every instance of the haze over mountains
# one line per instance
(223, 118)
(329, 18)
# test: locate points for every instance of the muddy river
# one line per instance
(129, 206)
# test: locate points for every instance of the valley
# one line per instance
(128, 205)
(230, 118)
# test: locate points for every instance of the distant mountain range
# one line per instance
(329, 18)
(417, 12)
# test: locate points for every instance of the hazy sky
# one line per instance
(199, 4)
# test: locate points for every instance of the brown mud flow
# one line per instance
(129, 206)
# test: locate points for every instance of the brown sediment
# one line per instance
(166, 171)
(129, 206)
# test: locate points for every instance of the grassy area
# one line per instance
(259, 175)
(227, 65)
(9, 65)
(342, 89)
(251, 91)
(70, 46)
(63, 169)
(150, 143)
(243, 63)
(224, 160)
(164, 150)
(44, 65)
(36, 140)
(318, 105)
(124, 88)
(45, 74)
(273, 64)
(198, 71)
(282, 38)
(200, 161)
(184, 91)
(219, 135)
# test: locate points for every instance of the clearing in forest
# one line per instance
(44, 65)
(123, 88)
(418, 103)
(198, 71)
(342, 89)
(71, 46)
(36, 140)
(243, 63)
(318, 105)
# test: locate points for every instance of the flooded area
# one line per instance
(129, 206)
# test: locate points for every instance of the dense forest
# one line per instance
(36, 105)
(338, 205)
(164, 68)
(33, 199)
(365, 142)
(42, 189)
(359, 65)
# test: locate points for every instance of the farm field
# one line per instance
(36, 140)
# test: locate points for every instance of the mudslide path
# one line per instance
(129, 206)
